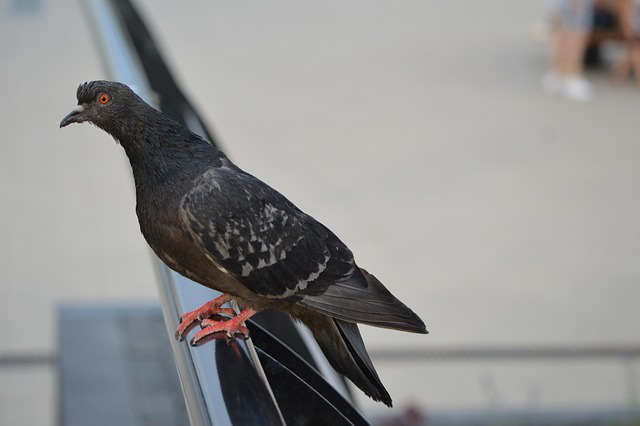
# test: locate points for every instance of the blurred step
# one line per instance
(117, 368)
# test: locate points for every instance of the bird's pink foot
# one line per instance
(230, 327)
(206, 311)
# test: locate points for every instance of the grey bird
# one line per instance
(217, 225)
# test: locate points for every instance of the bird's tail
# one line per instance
(342, 344)
(364, 299)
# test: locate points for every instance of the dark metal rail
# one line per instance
(27, 359)
(398, 354)
(506, 353)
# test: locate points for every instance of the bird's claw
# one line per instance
(213, 307)
(226, 311)
(229, 329)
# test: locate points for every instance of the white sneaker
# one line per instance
(577, 89)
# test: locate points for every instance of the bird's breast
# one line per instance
(178, 251)
(157, 208)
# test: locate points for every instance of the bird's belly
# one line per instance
(180, 254)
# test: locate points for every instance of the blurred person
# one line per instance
(628, 12)
(571, 22)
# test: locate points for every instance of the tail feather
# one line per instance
(343, 346)
(371, 304)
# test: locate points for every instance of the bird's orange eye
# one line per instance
(104, 98)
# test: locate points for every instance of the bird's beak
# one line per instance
(75, 116)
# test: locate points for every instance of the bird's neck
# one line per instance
(150, 139)
(162, 153)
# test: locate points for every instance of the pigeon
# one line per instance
(223, 228)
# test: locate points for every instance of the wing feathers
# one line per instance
(260, 237)
(373, 305)
(277, 251)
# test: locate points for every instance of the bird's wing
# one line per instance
(256, 234)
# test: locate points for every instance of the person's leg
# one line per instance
(573, 44)
(634, 53)
(552, 79)
(623, 65)
(577, 20)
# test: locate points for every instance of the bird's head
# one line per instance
(103, 103)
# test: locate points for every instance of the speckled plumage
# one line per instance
(225, 229)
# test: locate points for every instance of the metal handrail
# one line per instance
(200, 377)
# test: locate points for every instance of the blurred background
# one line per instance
(505, 213)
